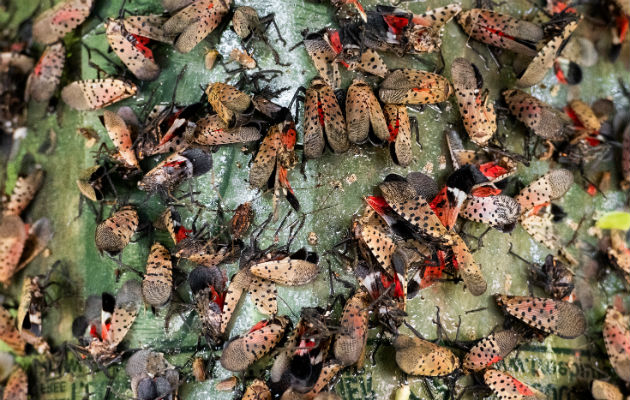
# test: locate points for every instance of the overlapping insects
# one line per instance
(409, 237)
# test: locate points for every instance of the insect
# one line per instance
(54, 23)
(105, 323)
(194, 21)
(228, 102)
(477, 111)
(242, 351)
(507, 387)
(583, 116)
(413, 87)
(16, 387)
(275, 157)
(248, 25)
(399, 126)
(45, 77)
(120, 134)
(90, 182)
(9, 333)
(543, 61)
(500, 212)
(556, 317)
(323, 121)
(33, 302)
(618, 252)
(241, 220)
(257, 390)
(617, 341)
(422, 358)
(157, 283)
(602, 390)
(553, 276)
(28, 183)
(243, 58)
(93, 94)
(132, 50)
(364, 114)
(501, 30)
(539, 117)
(491, 349)
(542, 191)
(114, 234)
(323, 57)
(208, 288)
(296, 269)
(168, 129)
(351, 339)
(152, 376)
(174, 170)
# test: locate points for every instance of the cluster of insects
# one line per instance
(409, 236)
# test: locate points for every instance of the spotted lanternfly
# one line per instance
(208, 288)
(195, 21)
(415, 210)
(199, 370)
(351, 339)
(13, 235)
(172, 6)
(619, 253)
(500, 212)
(352, 56)
(538, 67)
(275, 157)
(477, 111)
(152, 376)
(17, 386)
(120, 134)
(422, 358)
(491, 349)
(297, 269)
(425, 34)
(415, 254)
(212, 131)
(10, 60)
(170, 221)
(9, 334)
(147, 26)
(99, 337)
(168, 129)
(157, 283)
(539, 117)
(93, 94)
(242, 351)
(227, 101)
(602, 390)
(54, 23)
(507, 387)
(24, 191)
(542, 191)
(241, 220)
(584, 116)
(410, 86)
(501, 30)
(468, 269)
(175, 169)
(364, 114)
(323, 56)
(553, 277)
(556, 317)
(374, 237)
(617, 340)
(258, 390)
(459, 155)
(328, 372)
(349, 10)
(204, 252)
(399, 127)
(132, 50)
(114, 234)
(44, 79)
(29, 317)
(323, 121)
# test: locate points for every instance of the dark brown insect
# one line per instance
(174, 170)
(241, 220)
(323, 121)
(152, 376)
(90, 182)
(194, 21)
(556, 317)
(412, 87)
(248, 25)
(553, 276)
(242, 351)
(208, 288)
(157, 283)
(114, 234)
